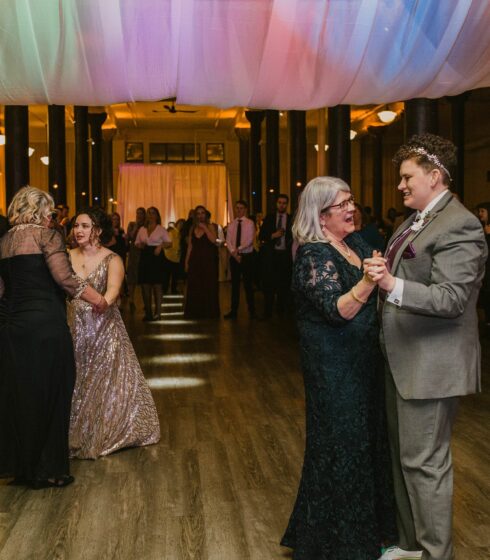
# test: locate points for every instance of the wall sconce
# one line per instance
(353, 134)
(299, 184)
(2, 139)
(30, 151)
(387, 116)
(316, 147)
(44, 160)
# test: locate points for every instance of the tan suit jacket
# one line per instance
(432, 341)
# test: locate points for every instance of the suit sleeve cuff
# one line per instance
(396, 295)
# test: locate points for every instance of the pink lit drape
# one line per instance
(290, 54)
(174, 190)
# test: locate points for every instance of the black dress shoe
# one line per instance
(230, 315)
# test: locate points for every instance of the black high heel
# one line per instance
(55, 483)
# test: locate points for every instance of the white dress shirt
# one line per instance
(396, 295)
(158, 236)
(246, 239)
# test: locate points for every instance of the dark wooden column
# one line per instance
(81, 157)
(244, 147)
(458, 138)
(376, 134)
(16, 149)
(107, 169)
(421, 115)
(96, 120)
(339, 142)
(272, 158)
(255, 118)
(297, 154)
(57, 153)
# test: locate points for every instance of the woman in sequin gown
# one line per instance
(112, 406)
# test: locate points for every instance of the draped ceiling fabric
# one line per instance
(288, 54)
(174, 189)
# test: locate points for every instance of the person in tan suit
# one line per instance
(429, 279)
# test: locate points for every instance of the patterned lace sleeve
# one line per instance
(318, 279)
(54, 252)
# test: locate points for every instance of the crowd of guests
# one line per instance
(388, 335)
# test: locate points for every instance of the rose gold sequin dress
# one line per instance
(112, 406)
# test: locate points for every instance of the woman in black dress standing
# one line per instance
(36, 352)
(345, 504)
(201, 264)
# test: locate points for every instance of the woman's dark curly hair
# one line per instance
(443, 149)
(101, 221)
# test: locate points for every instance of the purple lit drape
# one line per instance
(290, 54)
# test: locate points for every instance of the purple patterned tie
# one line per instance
(395, 246)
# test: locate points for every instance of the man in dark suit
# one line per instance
(4, 225)
(276, 239)
(429, 281)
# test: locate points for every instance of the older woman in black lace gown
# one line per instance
(345, 507)
(37, 371)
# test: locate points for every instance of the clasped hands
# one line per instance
(376, 270)
(101, 306)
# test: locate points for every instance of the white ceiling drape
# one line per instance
(289, 54)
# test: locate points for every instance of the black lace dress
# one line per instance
(345, 506)
(37, 366)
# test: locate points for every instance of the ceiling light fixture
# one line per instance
(353, 134)
(30, 151)
(44, 160)
(387, 116)
(2, 139)
(316, 147)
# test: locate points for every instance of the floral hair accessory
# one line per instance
(432, 158)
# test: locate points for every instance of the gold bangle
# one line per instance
(356, 297)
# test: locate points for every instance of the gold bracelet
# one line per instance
(356, 297)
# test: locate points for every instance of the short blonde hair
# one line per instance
(30, 206)
(317, 195)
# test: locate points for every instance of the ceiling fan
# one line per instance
(171, 109)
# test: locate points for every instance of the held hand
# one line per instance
(157, 250)
(278, 233)
(378, 272)
(101, 306)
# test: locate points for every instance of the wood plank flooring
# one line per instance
(221, 483)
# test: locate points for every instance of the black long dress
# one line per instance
(36, 353)
(202, 297)
(345, 504)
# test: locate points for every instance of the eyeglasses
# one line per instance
(341, 206)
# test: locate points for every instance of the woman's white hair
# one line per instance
(30, 206)
(317, 195)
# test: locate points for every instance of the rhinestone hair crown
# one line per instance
(432, 158)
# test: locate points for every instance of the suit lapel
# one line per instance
(439, 207)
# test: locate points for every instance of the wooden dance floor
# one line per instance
(221, 483)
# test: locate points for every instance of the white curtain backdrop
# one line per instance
(174, 190)
(289, 54)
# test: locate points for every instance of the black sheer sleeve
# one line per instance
(54, 251)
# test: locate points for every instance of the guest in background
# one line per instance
(117, 243)
(345, 505)
(152, 239)
(4, 225)
(393, 220)
(112, 404)
(37, 372)
(64, 219)
(172, 258)
(275, 236)
(202, 297)
(484, 217)
(184, 238)
(368, 230)
(134, 255)
(240, 237)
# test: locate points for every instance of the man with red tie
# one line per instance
(429, 281)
